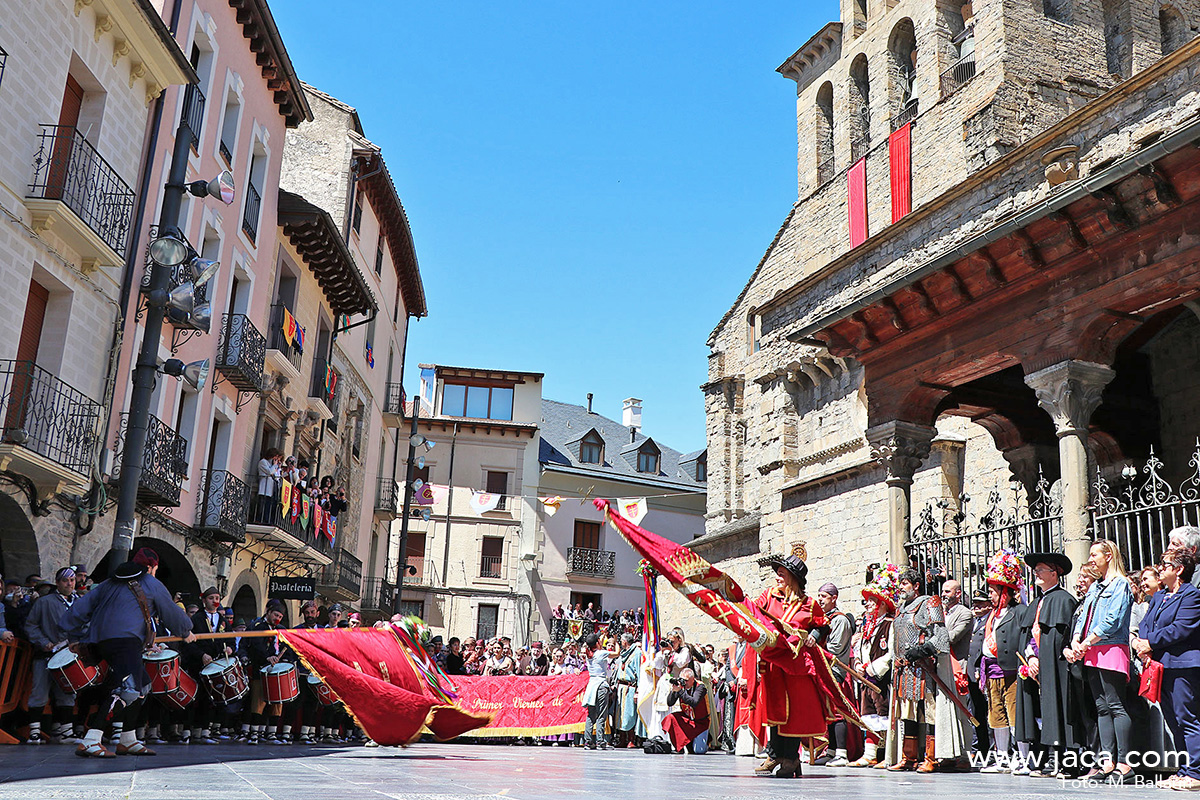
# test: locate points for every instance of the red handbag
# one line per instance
(1152, 675)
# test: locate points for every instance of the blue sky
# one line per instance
(589, 185)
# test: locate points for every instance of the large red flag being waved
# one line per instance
(719, 596)
(374, 675)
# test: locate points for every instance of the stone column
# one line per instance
(1069, 392)
(900, 447)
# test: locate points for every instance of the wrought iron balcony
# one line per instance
(253, 209)
(291, 353)
(223, 506)
(490, 566)
(49, 428)
(163, 465)
(341, 580)
(378, 595)
(325, 382)
(241, 352)
(593, 563)
(387, 499)
(68, 170)
(179, 275)
(826, 170)
(954, 78)
(393, 405)
(226, 152)
(907, 114)
(193, 113)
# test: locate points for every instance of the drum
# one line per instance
(163, 669)
(322, 691)
(72, 673)
(279, 683)
(183, 694)
(226, 680)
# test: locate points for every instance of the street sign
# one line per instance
(292, 588)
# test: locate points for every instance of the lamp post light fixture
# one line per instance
(166, 253)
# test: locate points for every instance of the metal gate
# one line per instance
(1137, 518)
(949, 543)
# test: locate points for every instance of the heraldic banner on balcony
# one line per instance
(524, 705)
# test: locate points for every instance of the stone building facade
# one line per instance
(1002, 315)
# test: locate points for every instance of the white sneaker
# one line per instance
(838, 761)
(994, 768)
(1020, 768)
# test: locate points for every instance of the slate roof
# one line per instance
(564, 424)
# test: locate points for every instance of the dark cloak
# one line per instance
(1049, 699)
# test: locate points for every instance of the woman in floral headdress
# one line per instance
(873, 657)
(999, 665)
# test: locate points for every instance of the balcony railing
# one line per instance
(226, 152)
(223, 506)
(342, 578)
(860, 144)
(393, 404)
(193, 113)
(490, 566)
(962, 71)
(163, 465)
(387, 498)
(46, 416)
(325, 382)
(179, 275)
(594, 563)
(69, 169)
(253, 208)
(378, 595)
(826, 170)
(277, 340)
(241, 352)
(907, 114)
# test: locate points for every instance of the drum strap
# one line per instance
(140, 596)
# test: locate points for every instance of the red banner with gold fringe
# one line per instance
(524, 705)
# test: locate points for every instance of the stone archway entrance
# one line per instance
(245, 604)
(173, 569)
(18, 545)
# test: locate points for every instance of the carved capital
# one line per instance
(1069, 392)
(900, 447)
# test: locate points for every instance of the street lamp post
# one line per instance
(147, 367)
(406, 508)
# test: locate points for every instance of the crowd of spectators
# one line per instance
(324, 492)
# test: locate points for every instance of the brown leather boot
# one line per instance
(930, 763)
(909, 750)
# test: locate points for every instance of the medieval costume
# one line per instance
(998, 666)
(872, 656)
(919, 643)
(627, 667)
(1042, 702)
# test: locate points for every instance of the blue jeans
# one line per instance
(700, 744)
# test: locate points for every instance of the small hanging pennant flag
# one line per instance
(551, 504)
(632, 508)
(424, 495)
(483, 502)
(295, 509)
(299, 339)
(289, 327)
(330, 528)
(318, 514)
(440, 493)
(305, 507)
(331, 379)
(370, 356)
(285, 496)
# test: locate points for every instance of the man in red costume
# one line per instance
(784, 693)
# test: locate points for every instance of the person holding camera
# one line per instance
(688, 725)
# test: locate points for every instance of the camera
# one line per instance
(675, 682)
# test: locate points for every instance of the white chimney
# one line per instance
(631, 414)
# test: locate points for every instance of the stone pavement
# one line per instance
(453, 771)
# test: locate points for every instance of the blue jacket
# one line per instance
(1172, 627)
(1112, 602)
(110, 611)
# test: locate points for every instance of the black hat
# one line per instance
(274, 605)
(793, 563)
(980, 597)
(210, 590)
(1056, 560)
(129, 571)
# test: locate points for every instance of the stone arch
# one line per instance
(823, 119)
(860, 104)
(19, 554)
(248, 587)
(1173, 29)
(902, 66)
(174, 569)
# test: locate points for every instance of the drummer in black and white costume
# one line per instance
(310, 704)
(44, 629)
(206, 715)
(114, 622)
(258, 652)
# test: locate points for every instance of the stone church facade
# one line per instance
(976, 327)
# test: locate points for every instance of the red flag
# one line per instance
(856, 201)
(900, 168)
(373, 675)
